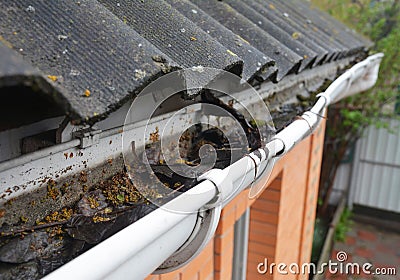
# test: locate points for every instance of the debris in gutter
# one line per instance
(31, 250)
(64, 234)
(154, 136)
(139, 74)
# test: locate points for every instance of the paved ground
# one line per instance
(368, 244)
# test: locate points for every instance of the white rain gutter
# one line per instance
(142, 247)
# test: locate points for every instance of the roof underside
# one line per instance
(114, 48)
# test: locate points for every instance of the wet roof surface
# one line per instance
(95, 55)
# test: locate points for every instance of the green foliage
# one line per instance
(344, 225)
(321, 227)
(379, 21)
(353, 119)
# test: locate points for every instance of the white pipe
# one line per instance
(233, 179)
(38, 154)
(52, 150)
(167, 243)
(362, 76)
(135, 251)
(365, 82)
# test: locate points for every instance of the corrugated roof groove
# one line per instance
(309, 41)
(331, 24)
(174, 34)
(255, 62)
(289, 40)
(286, 60)
(287, 23)
(86, 47)
(114, 48)
(307, 17)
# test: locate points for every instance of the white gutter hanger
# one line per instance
(140, 248)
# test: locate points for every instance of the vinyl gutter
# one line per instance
(163, 240)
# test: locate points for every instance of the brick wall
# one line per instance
(311, 196)
(202, 267)
(281, 220)
(263, 230)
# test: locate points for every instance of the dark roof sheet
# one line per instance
(114, 48)
(308, 55)
(256, 61)
(307, 20)
(172, 33)
(13, 69)
(286, 60)
(86, 47)
(328, 24)
(286, 21)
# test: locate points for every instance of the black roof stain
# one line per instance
(111, 49)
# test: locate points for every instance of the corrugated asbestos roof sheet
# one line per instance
(114, 48)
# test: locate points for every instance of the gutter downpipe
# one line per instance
(141, 248)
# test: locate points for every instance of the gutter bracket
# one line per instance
(203, 232)
(222, 182)
(257, 163)
(88, 136)
(262, 161)
(324, 96)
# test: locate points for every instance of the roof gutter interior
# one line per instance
(287, 50)
(163, 233)
(109, 129)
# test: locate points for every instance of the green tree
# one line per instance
(379, 21)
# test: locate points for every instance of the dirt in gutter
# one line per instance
(98, 203)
